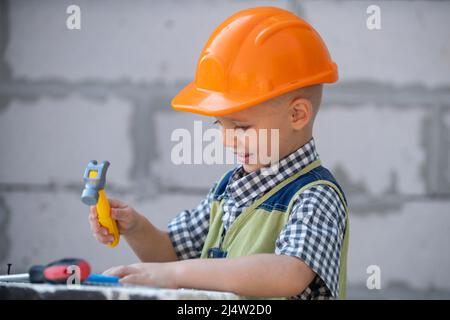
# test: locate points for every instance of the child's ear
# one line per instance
(301, 113)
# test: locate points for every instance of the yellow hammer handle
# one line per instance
(104, 217)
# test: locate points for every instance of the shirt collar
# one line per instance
(245, 187)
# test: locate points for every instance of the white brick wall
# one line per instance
(389, 141)
(410, 245)
(141, 41)
(52, 140)
(411, 47)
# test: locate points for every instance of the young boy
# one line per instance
(274, 229)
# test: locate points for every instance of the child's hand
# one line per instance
(161, 275)
(127, 220)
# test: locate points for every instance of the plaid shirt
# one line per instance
(314, 231)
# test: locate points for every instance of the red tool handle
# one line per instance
(59, 271)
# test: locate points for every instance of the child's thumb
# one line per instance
(120, 214)
(117, 203)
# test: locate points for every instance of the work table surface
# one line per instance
(10, 290)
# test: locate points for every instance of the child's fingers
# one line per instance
(93, 216)
(93, 221)
(98, 229)
(120, 271)
(133, 279)
(100, 233)
(93, 210)
(104, 239)
(94, 224)
(117, 203)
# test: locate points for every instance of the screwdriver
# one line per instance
(59, 272)
(55, 272)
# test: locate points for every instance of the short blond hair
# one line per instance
(312, 93)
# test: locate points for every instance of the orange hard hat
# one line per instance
(253, 56)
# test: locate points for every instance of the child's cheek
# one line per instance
(253, 144)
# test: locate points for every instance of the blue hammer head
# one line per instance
(95, 178)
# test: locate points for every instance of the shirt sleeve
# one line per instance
(188, 230)
(314, 233)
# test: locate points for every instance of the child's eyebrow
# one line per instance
(235, 120)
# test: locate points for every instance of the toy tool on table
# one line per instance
(62, 272)
(94, 194)
(55, 272)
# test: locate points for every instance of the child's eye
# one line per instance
(242, 127)
(216, 122)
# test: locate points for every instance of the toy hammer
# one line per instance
(94, 194)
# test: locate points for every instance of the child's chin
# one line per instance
(250, 167)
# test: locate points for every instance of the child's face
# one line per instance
(256, 148)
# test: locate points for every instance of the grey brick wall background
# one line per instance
(103, 92)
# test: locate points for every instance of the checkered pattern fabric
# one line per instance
(314, 231)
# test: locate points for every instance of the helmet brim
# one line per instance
(212, 103)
